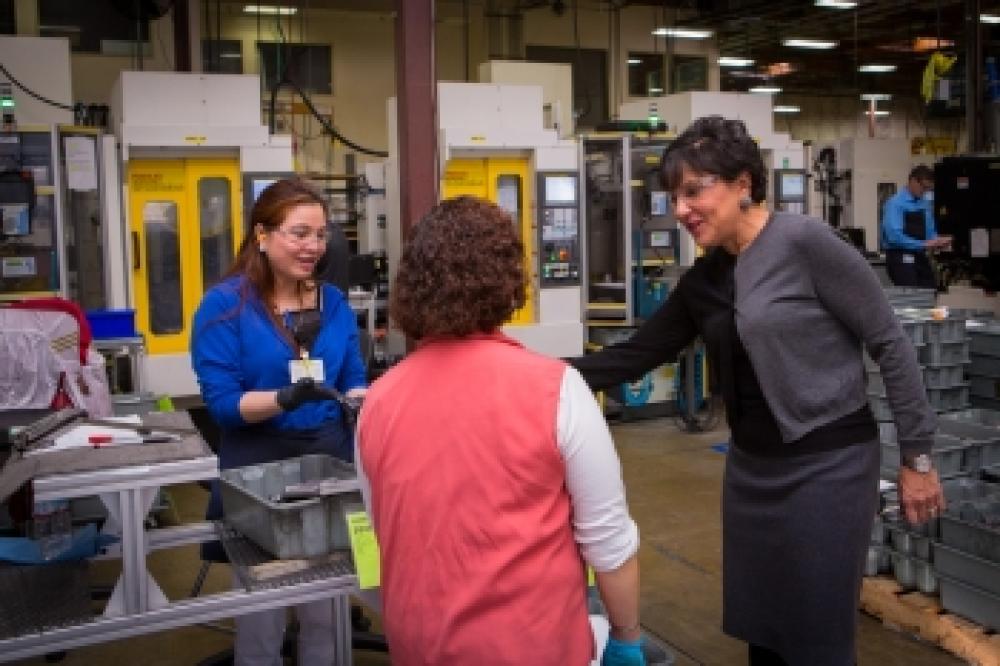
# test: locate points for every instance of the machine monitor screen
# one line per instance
(560, 190)
(258, 185)
(793, 186)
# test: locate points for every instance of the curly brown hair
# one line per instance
(462, 272)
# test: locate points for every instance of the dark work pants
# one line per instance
(908, 268)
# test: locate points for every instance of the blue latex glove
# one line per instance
(623, 653)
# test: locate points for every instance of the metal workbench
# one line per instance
(137, 605)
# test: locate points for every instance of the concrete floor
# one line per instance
(673, 482)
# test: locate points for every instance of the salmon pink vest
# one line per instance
(470, 507)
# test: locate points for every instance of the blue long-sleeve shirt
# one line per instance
(236, 348)
(893, 236)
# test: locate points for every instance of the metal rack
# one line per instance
(138, 605)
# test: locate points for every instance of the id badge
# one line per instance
(909, 259)
(302, 368)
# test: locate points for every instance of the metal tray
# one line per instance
(301, 528)
(965, 568)
(970, 601)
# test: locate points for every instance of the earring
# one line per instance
(262, 248)
(745, 203)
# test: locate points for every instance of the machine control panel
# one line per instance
(558, 229)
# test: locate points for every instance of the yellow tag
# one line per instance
(364, 547)
(591, 579)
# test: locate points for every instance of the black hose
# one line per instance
(32, 93)
(327, 127)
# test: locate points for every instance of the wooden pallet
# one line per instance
(922, 616)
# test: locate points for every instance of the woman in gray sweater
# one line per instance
(785, 309)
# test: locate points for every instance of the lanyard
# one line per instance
(305, 325)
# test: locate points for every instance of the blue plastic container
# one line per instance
(109, 324)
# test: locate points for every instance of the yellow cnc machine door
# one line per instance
(505, 182)
(184, 228)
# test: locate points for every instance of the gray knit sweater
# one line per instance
(805, 304)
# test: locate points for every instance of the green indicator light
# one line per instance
(7, 103)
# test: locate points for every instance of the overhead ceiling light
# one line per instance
(634, 61)
(732, 61)
(683, 33)
(270, 10)
(656, 90)
(837, 4)
(766, 90)
(810, 43)
(786, 108)
(878, 112)
(875, 97)
(876, 69)
(989, 18)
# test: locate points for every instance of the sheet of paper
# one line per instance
(81, 163)
(979, 242)
(364, 547)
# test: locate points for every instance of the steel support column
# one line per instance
(416, 111)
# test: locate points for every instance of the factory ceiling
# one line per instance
(900, 35)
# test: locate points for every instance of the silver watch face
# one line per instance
(921, 463)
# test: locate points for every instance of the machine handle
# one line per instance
(135, 250)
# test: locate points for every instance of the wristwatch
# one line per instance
(920, 463)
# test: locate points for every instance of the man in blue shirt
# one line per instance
(908, 231)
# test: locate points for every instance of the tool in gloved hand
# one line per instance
(305, 390)
(623, 653)
(308, 390)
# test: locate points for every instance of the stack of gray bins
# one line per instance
(942, 348)
(910, 297)
(984, 369)
(911, 554)
(967, 552)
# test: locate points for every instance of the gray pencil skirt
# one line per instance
(795, 534)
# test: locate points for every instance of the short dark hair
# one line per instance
(461, 272)
(718, 146)
(921, 172)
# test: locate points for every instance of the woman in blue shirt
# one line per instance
(263, 339)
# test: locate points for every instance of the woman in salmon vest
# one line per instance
(489, 471)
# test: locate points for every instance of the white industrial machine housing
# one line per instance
(179, 115)
(483, 120)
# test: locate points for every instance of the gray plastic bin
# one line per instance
(966, 568)
(943, 353)
(973, 538)
(970, 602)
(985, 339)
(948, 454)
(291, 529)
(984, 366)
(951, 329)
(943, 376)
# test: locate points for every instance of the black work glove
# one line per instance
(303, 391)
